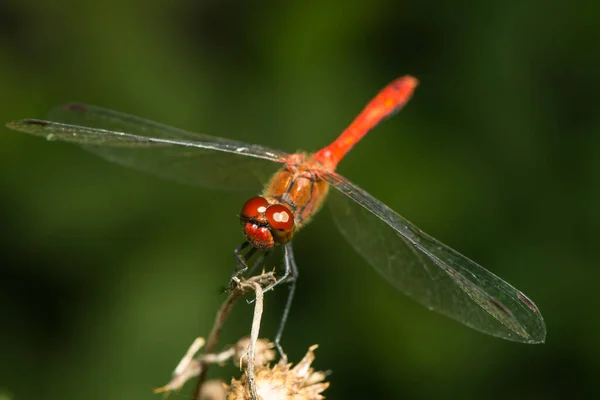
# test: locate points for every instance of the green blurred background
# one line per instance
(108, 274)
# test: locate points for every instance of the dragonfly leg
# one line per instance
(242, 259)
(243, 262)
(290, 272)
(258, 262)
(291, 276)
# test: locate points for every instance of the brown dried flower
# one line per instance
(282, 382)
(264, 352)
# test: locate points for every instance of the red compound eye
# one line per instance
(254, 207)
(280, 217)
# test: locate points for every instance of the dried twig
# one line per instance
(279, 381)
(258, 309)
(224, 311)
(187, 368)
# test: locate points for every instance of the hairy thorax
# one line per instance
(298, 186)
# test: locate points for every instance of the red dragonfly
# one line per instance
(412, 261)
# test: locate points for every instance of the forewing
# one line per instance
(159, 149)
(429, 271)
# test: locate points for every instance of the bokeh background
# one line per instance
(108, 274)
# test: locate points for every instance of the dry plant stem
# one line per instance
(189, 355)
(213, 338)
(258, 310)
(222, 314)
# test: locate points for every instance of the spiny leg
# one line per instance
(242, 259)
(290, 276)
(243, 265)
(290, 272)
(258, 262)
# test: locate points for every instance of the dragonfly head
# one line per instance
(265, 224)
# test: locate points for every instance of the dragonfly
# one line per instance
(296, 187)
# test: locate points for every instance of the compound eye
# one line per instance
(280, 217)
(254, 207)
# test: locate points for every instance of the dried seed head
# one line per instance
(282, 382)
(264, 352)
(213, 390)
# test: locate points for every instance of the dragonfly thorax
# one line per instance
(265, 223)
(298, 186)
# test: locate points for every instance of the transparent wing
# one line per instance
(429, 271)
(159, 149)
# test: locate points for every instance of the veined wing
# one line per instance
(168, 152)
(429, 271)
